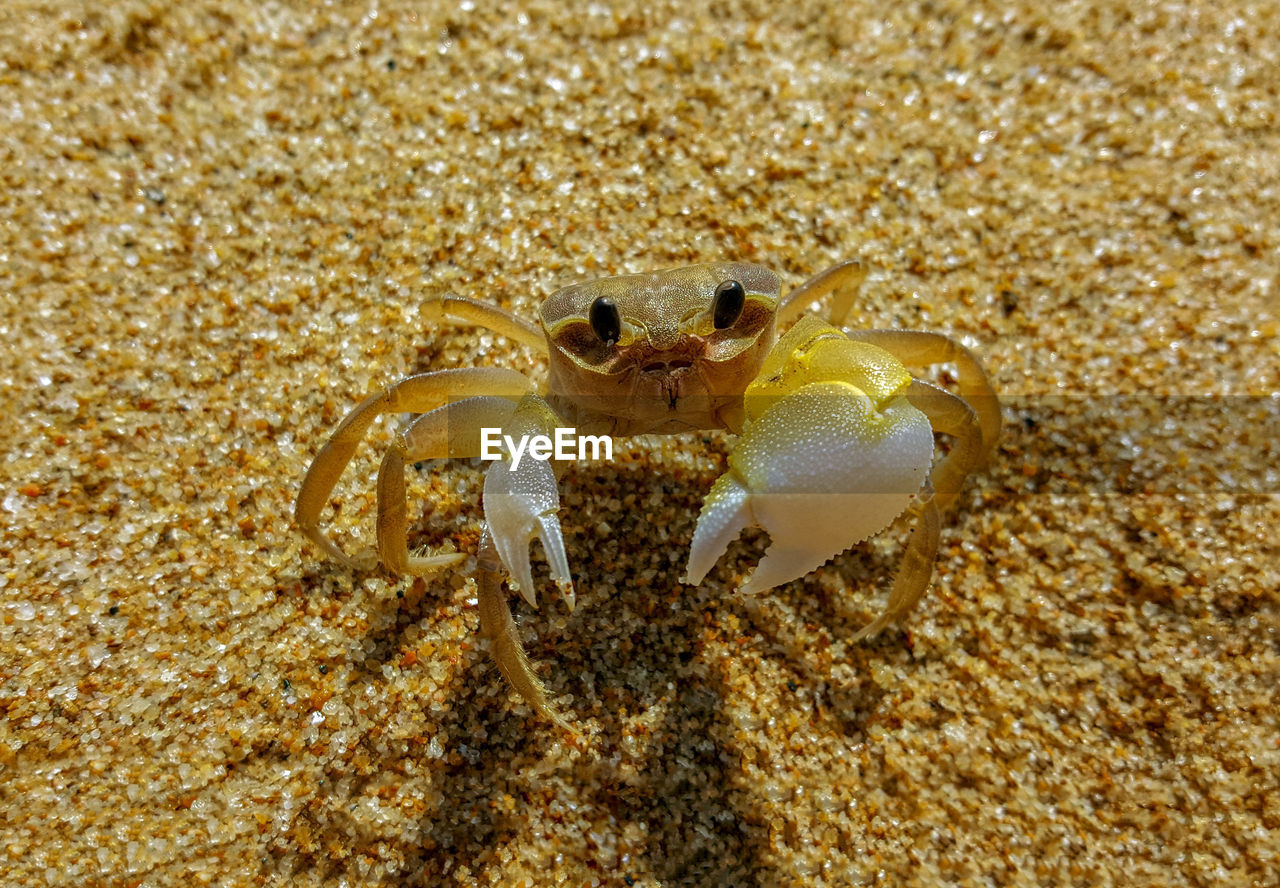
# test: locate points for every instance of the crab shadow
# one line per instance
(644, 660)
(472, 758)
(660, 772)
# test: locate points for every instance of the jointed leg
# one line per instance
(916, 569)
(495, 318)
(842, 280)
(449, 431)
(921, 349)
(952, 416)
(416, 394)
(497, 624)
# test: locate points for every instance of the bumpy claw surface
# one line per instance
(831, 454)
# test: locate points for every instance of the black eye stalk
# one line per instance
(727, 306)
(605, 320)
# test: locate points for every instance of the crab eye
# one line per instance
(605, 320)
(727, 305)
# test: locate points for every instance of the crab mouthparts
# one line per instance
(668, 375)
(666, 366)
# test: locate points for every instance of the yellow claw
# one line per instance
(832, 452)
(815, 351)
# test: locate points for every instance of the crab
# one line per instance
(835, 436)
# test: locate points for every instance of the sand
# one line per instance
(222, 224)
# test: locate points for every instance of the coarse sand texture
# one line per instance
(223, 224)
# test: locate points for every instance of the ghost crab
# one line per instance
(836, 437)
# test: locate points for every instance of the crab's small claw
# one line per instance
(521, 503)
(822, 465)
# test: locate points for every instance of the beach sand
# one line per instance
(222, 224)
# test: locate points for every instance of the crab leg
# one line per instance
(915, 570)
(497, 624)
(916, 348)
(494, 318)
(842, 280)
(519, 505)
(451, 430)
(415, 394)
(950, 415)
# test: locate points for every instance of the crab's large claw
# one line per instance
(832, 452)
(521, 503)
